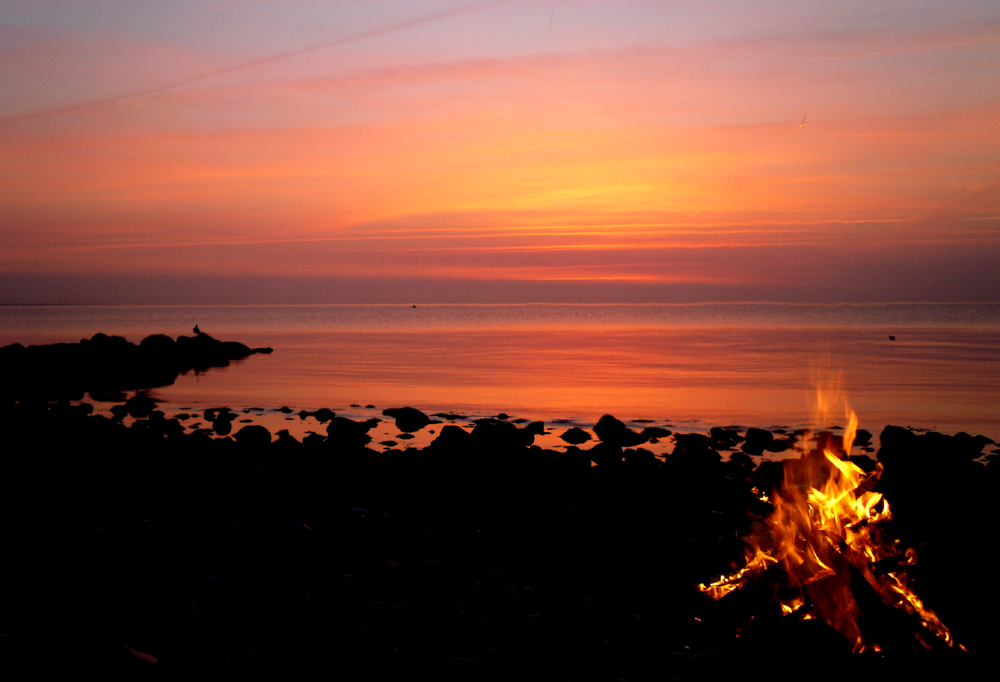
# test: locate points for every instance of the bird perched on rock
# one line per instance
(196, 330)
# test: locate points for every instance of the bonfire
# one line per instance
(827, 541)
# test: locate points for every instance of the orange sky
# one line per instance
(633, 146)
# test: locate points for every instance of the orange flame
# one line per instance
(828, 525)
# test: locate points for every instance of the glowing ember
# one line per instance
(826, 529)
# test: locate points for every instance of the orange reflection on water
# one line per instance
(725, 375)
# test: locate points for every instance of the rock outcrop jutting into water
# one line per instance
(107, 365)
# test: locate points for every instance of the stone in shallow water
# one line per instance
(575, 436)
(614, 432)
(408, 419)
(254, 436)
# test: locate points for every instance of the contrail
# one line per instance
(884, 52)
(263, 61)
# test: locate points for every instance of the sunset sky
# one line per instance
(324, 151)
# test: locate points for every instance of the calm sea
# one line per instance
(689, 366)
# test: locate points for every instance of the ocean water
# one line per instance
(688, 367)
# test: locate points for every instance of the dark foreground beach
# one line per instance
(136, 548)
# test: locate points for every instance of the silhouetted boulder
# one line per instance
(496, 434)
(323, 415)
(217, 413)
(253, 436)
(408, 419)
(757, 440)
(139, 406)
(640, 458)
(158, 343)
(606, 454)
(863, 462)
(724, 439)
(651, 432)
(286, 441)
(349, 433)
(863, 437)
(452, 438)
(313, 439)
(692, 441)
(575, 436)
(537, 428)
(614, 432)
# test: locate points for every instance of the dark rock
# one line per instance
(614, 432)
(780, 445)
(323, 415)
(769, 475)
(217, 413)
(757, 440)
(106, 366)
(389, 443)
(639, 457)
(965, 445)
(452, 438)
(724, 439)
(407, 419)
(158, 343)
(866, 464)
(313, 439)
(863, 437)
(692, 441)
(743, 460)
(285, 410)
(349, 433)
(495, 434)
(651, 432)
(606, 455)
(537, 428)
(264, 351)
(254, 436)
(897, 438)
(406, 436)
(575, 436)
(286, 440)
(139, 406)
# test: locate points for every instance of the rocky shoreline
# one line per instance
(106, 366)
(136, 548)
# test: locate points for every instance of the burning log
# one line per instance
(827, 535)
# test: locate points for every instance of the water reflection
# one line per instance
(691, 378)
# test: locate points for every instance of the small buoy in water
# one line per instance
(414, 306)
(891, 337)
